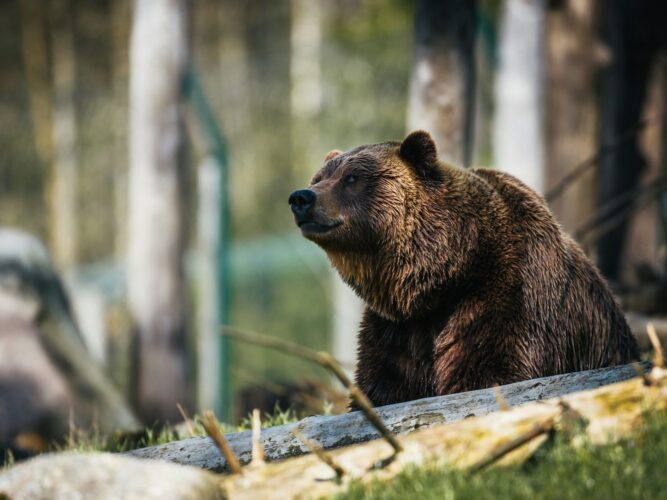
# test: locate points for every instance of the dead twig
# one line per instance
(257, 449)
(212, 428)
(504, 449)
(329, 362)
(592, 161)
(658, 356)
(319, 452)
(186, 420)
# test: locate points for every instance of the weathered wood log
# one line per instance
(341, 430)
(604, 414)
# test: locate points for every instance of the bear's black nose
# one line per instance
(301, 201)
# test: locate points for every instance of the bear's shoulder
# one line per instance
(515, 194)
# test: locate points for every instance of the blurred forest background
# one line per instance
(569, 95)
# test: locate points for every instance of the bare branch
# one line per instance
(315, 448)
(212, 428)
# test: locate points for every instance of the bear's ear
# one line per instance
(418, 149)
(331, 154)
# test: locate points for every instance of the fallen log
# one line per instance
(510, 436)
(340, 430)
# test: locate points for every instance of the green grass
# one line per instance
(81, 440)
(633, 468)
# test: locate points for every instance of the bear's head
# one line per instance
(373, 209)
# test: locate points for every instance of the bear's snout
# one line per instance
(301, 201)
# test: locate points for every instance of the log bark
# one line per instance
(341, 430)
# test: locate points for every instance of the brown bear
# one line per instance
(468, 279)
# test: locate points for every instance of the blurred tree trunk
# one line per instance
(442, 84)
(643, 256)
(159, 50)
(632, 31)
(305, 71)
(36, 66)
(64, 192)
(120, 22)
(574, 57)
(518, 128)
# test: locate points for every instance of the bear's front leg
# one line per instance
(472, 352)
(394, 361)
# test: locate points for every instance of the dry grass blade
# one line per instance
(500, 399)
(658, 356)
(315, 448)
(186, 420)
(212, 428)
(257, 449)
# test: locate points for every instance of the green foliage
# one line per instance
(633, 468)
(278, 417)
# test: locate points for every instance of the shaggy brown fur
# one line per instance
(467, 277)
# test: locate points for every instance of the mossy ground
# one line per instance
(633, 468)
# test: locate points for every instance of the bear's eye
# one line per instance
(350, 179)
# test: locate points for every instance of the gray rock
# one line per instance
(47, 377)
(102, 476)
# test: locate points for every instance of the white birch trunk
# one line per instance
(305, 70)
(347, 312)
(156, 288)
(518, 128)
(208, 233)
